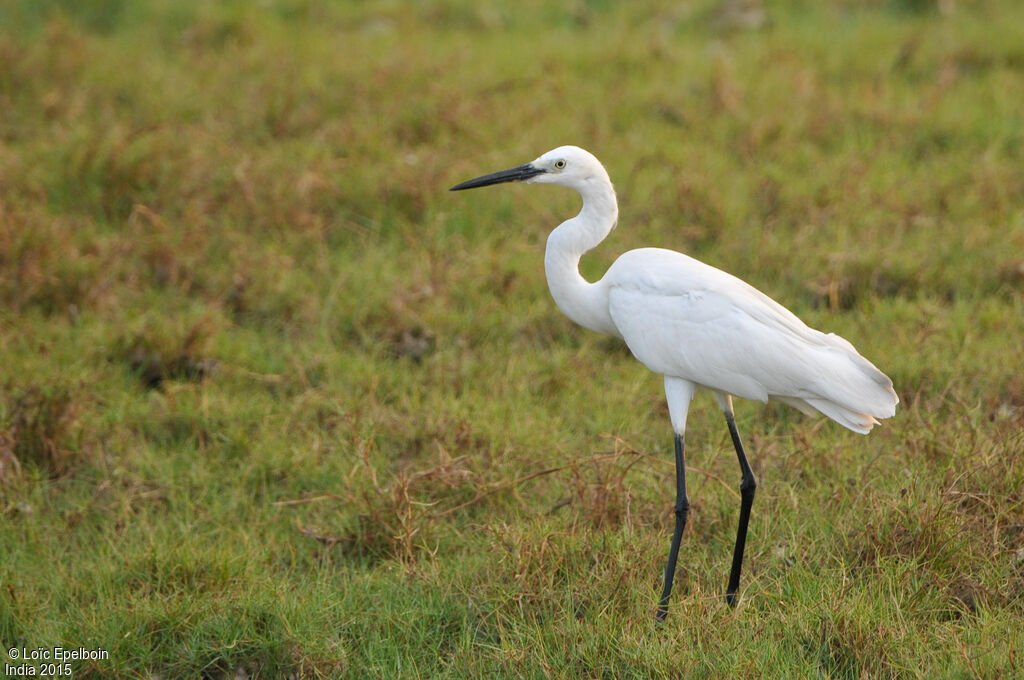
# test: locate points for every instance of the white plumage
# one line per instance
(698, 326)
(685, 319)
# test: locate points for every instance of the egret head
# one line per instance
(567, 166)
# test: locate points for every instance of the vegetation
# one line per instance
(273, 403)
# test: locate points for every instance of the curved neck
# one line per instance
(583, 302)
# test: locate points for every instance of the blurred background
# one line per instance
(274, 403)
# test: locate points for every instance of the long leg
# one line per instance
(682, 508)
(747, 488)
(678, 393)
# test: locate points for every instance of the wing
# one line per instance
(684, 318)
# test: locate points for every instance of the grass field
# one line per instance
(273, 402)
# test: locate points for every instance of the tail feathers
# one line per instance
(858, 422)
(853, 384)
(847, 388)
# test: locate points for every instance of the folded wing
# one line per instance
(684, 318)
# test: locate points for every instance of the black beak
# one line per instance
(523, 172)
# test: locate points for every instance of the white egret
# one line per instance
(700, 328)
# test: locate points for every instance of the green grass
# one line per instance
(273, 402)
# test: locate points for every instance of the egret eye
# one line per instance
(559, 164)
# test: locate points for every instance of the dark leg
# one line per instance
(747, 488)
(682, 508)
